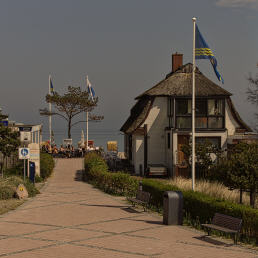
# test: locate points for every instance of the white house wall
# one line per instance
(156, 122)
(230, 122)
(138, 153)
(158, 153)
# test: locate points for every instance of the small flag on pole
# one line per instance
(203, 51)
(90, 89)
(51, 85)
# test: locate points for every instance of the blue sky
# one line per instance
(123, 46)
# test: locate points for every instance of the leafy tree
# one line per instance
(206, 154)
(240, 169)
(69, 105)
(9, 140)
(252, 94)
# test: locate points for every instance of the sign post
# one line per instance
(24, 153)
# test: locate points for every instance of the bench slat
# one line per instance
(142, 198)
(227, 221)
(226, 230)
(225, 224)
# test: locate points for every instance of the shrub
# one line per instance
(8, 187)
(6, 191)
(16, 170)
(47, 165)
(96, 173)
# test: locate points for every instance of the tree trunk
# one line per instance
(4, 165)
(252, 197)
(2, 168)
(69, 128)
(241, 196)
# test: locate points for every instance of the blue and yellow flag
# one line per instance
(203, 51)
(51, 86)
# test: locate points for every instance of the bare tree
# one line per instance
(252, 94)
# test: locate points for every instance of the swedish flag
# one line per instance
(203, 51)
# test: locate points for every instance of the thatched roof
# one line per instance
(138, 114)
(179, 84)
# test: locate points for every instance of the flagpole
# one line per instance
(87, 122)
(50, 110)
(193, 109)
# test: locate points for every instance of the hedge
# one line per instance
(96, 173)
(198, 207)
(47, 165)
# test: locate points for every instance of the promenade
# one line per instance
(70, 218)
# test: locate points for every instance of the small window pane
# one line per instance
(215, 141)
(215, 122)
(184, 107)
(215, 107)
(201, 107)
(184, 122)
(201, 122)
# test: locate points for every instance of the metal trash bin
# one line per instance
(173, 208)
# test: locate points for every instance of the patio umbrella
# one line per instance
(82, 139)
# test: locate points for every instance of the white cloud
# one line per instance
(237, 3)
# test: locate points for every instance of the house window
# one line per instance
(170, 111)
(215, 141)
(168, 140)
(184, 122)
(184, 107)
(209, 114)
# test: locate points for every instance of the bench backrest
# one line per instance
(227, 221)
(143, 196)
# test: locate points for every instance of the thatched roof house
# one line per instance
(165, 109)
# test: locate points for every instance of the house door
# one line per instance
(182, 168)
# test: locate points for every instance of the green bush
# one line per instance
(38, 179)
(16, 170)
(96, 173)
(6, 191)
(9, 184)
(47, 165)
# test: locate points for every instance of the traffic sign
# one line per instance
(24, 153)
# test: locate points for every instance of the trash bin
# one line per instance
(32, 172)
(173, 208)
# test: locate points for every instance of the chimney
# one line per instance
(177, 61)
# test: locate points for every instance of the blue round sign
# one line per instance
(24, 152)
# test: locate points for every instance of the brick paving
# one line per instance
(70, 218)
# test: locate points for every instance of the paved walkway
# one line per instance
(72, 219)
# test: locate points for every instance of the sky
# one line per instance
(124, 47)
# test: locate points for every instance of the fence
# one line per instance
(8, 162)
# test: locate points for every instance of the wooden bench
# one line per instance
(225, 224)
(142, 198)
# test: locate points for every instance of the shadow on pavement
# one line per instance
(78, 175)
(212, 241)
(104, 205)
(155, 222)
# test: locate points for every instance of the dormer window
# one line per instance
(209, 113)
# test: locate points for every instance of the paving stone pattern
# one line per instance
(70, 218)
